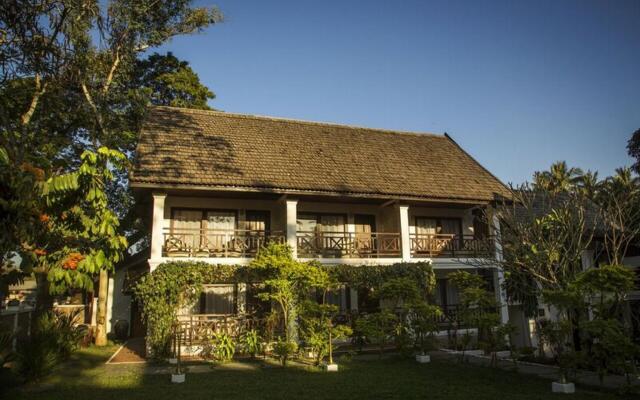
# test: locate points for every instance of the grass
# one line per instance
(87, 377)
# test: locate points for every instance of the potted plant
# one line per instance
(425, 325)
(179, 373)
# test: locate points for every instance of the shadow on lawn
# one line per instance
(389, 378)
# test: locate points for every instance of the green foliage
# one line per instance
(378, 327)
(607, 286)
(168, 81)
(374, 276)
(66, 92)
(82, 232)
(35, 358)
(53, 339)
(402, 292)
(221, 348)
(475, 299)
(424, 323)
(170, 287)
(611, 350)
(287, 281)
(284, 350)
(633, 147)
(7, 356)
(251, 342)
(557, 335)
(319, 331)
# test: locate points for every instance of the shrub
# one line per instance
(284, 350)
(54, 338)
(7, 355)
(36, 357)
(251, 342)
(378, 327)
(220, 348)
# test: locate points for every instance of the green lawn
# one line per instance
(86, 377)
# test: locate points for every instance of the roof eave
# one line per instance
(289, 191)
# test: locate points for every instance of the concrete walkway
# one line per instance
(585, 378)
(132, 351)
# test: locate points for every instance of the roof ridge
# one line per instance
(476, 161)
(299, 121)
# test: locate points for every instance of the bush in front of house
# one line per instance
(54, 338)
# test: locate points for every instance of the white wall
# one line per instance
(120, 307)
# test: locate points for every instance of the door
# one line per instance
(365, 243)
(138, 328)
(220, 231)
(332, 229)
(256, 230)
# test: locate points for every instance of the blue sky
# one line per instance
(519, 84)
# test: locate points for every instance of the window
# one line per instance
(221, 220)
(218, 299)
(328, 223)
(257, 221)
(187, 219)
(432, 226)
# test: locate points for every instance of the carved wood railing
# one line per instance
(197, 329)
(348, 244)
(179, 242)
(452, 246)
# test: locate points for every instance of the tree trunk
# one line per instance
(101, 317)
(44, 300)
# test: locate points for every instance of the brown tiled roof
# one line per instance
(189, 148)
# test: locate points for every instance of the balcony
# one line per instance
(313, 244)
(450, 246)
(216, 242)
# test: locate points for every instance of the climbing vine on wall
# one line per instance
(174, 285)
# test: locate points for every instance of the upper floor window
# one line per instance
(326, 223)
(433, 226)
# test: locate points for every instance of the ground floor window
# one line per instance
(218, 299)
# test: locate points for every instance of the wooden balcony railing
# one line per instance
(451, 246)
(197, 329)
(348, 244)
(216, 243)
(451, 314)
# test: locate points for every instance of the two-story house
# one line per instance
(215, 186)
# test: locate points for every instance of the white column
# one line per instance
(405, 238)
(498, 275)
(242, 298)
(110, 293)
(292, 226)
(157, 237)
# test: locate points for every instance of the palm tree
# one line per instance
(559, 178)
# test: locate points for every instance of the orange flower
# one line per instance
(44, 218)
(72, 260)
(38, 173)
(40, 252)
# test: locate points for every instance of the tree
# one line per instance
(167, 81)
(559, 178)
(618, 198)
(633, 147)
(83, 53)
(543, 234)
(287, 282)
